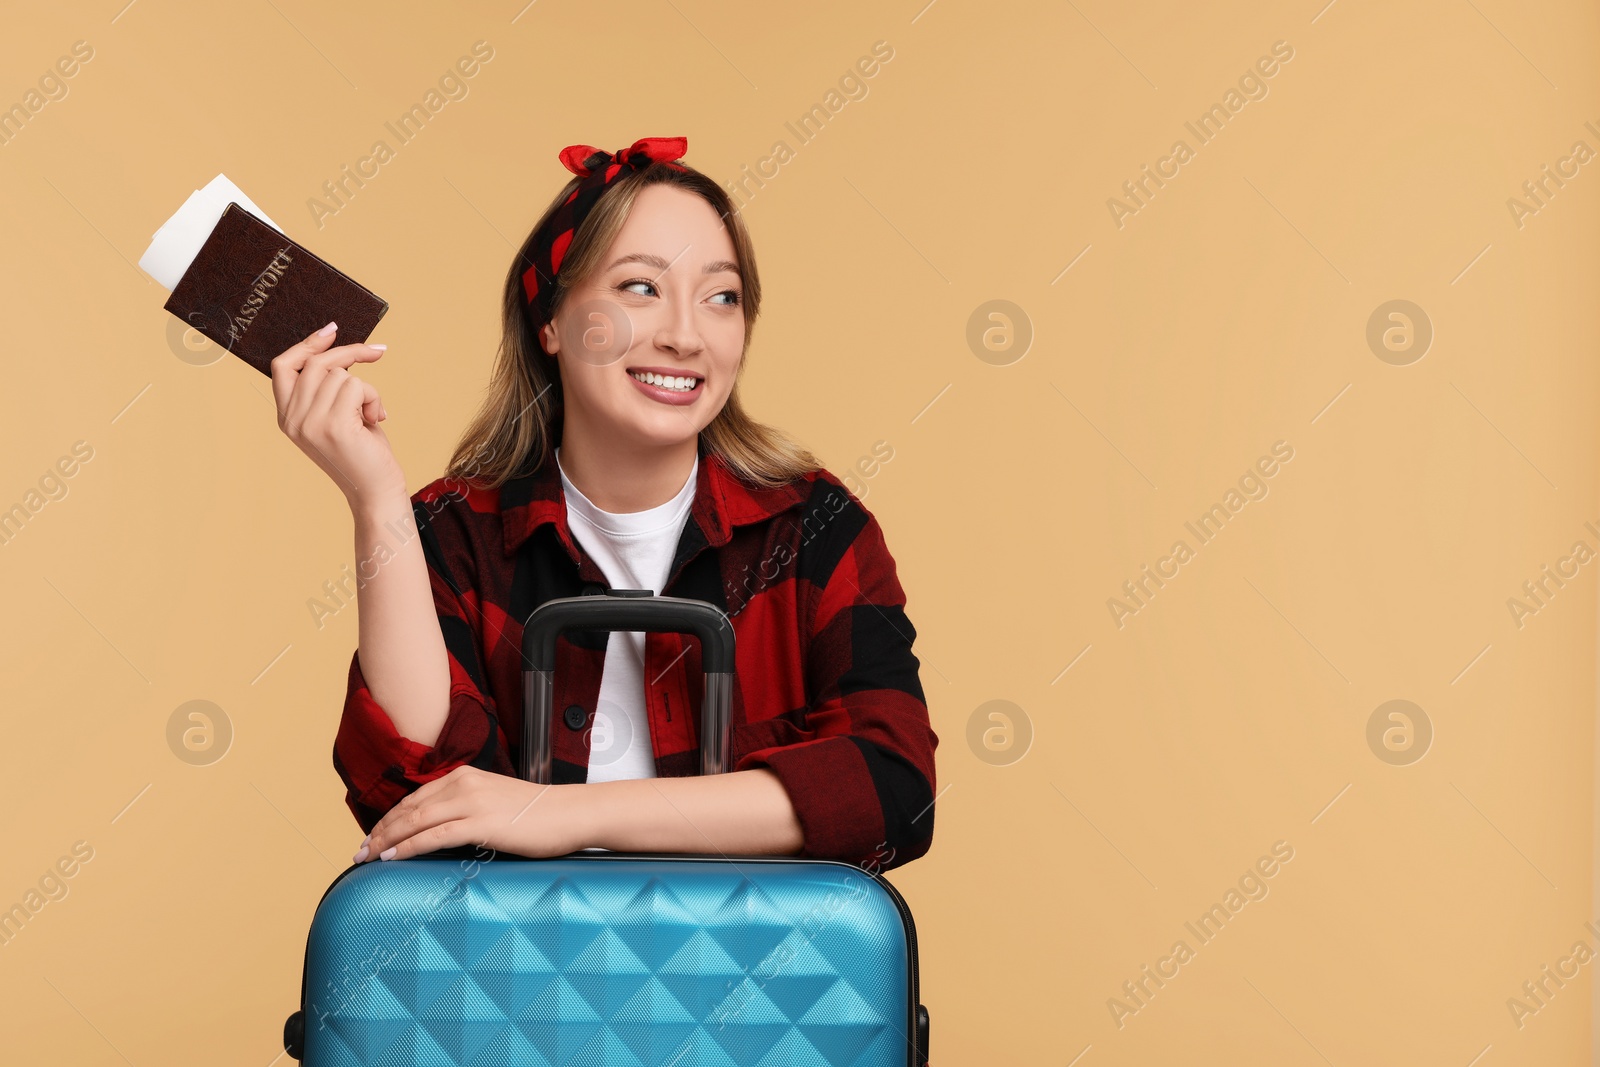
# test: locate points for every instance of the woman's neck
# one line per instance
(623, 479)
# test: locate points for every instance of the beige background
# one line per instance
(1229, 313)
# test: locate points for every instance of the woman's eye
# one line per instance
(732, 294)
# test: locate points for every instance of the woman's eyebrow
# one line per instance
(651, 259)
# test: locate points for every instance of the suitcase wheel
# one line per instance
(294, 1035)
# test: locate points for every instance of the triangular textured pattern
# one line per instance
(792, 1048)
(414, 1048)
(463, 1020)
(561, 923)
(418, 970)
(748, 924)
(607, 973)
(468, 925)
(623, 962)
(559, 1022)
(700, 974)
(365, 1023)
(655, 923)
(513, 971)
(842, 1023)
(509, 1049)
(652, 1024)
(795, 976)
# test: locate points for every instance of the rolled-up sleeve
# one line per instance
(862, 786)
(378, 766)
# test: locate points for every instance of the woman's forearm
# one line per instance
(745, 812)
(402, 651)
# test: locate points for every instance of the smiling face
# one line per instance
(649, 345)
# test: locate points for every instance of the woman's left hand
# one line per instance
(471, 806)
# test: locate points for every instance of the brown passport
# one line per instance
(256, 293)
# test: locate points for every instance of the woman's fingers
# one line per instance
(286, 365)
(473, 806)
(338, 399)
(413, 838)
(372, 409)
(333, 416)
(387, 829)
(431, 804)
(444, 835)
(290, 365)
(314, 376)
(299, 373)
(353, 399)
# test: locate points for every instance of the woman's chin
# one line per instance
(665, 430)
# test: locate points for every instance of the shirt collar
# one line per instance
(722, 501)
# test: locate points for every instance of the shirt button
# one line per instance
(575, 717)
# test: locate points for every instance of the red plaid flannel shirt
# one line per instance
(826, 692)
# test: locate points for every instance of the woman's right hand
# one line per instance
(333, 416)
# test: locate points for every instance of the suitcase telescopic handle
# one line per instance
(627, 610)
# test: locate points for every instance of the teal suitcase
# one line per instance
(463, 957)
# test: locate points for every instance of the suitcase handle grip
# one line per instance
(627, 610)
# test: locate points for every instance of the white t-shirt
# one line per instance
(634, 551)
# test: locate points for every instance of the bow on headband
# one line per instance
(598, 169)
(580, 158)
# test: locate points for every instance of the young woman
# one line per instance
(612, 451)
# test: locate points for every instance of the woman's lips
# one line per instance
(669, 396)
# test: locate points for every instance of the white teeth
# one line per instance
(678, 384)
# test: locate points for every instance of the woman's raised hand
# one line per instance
(333, 416)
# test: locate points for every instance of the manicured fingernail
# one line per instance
(380, 348)
(326, 330)
(366, 839)
(388, 853)
(361, 855)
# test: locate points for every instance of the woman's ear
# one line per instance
(551, 340)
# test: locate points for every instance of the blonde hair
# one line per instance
(512, 433)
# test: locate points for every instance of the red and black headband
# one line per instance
(597, 168)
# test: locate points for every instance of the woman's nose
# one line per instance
(679, 331)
